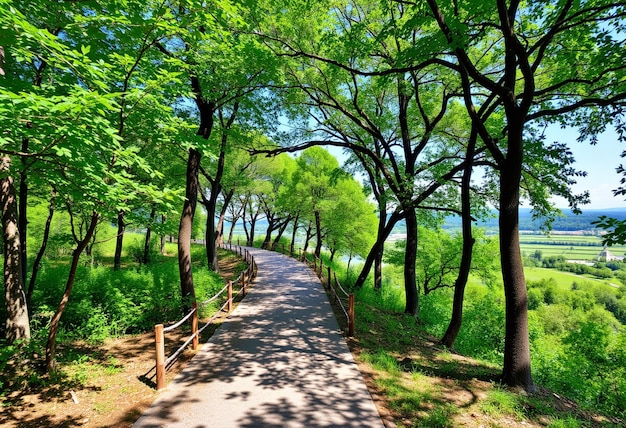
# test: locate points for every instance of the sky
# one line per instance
(600, 163)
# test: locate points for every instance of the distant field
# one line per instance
(572, 247)
(563, 279)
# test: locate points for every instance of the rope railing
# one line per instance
(163, 364)
(318, 267)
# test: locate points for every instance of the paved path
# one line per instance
(279, 360)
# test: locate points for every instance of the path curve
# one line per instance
(279, 360)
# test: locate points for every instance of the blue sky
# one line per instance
(600, 162)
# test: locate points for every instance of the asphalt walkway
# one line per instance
(278, 361)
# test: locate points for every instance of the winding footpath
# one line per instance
(278, 361)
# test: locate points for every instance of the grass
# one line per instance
(563, 279)
(424, 384)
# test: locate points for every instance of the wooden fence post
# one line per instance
(159, 341)
(329, 277)
(230, 296)
(194, 325)
(243, 282)
(351, 315)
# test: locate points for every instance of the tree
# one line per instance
(351, 220)
(394, 121)
(71, 138)
(312, 187)
(17, 323)
(539, 65)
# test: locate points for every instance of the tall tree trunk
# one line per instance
(410, 259)
(516, 370)
(146, 244)
(216, 189)
(318, 234)
(163, 219)
(210, 235)
(377, 249)
(293, 234)
(268, 237)
(468, 244)
(378, 260)
(119, 241)
(41, 252)
(17, 323)
(222, 218)
(22, 211)
(54, 323)
(250, 242)
(185, 230)
(307, 238)
(281, 231)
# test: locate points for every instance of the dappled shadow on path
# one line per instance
(278, 361)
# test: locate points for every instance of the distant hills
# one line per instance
(569, 222)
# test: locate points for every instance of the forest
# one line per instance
(132, 127)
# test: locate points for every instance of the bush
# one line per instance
(482, 335)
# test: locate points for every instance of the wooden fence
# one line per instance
(163, 364)
(340, 297)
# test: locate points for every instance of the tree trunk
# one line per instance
(163, 237)
(210, 233)
(54, 323)
(22, 211)
(281, 231)
(41, 252)
(516, 371)
(146, 244)
(253, 220)
(235, 219)
(185, 230)
(318, 234)
(17, 323)
(271, 226)
(121, 228)
(468, 244)
(410, 259)
(293, 234)
(307, 238)
(216, 189)
(378, 260)
(377, 250)
(222, 219)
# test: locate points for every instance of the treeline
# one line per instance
(568, 221)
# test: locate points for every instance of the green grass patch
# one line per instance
(564, 280)
(501, 403)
